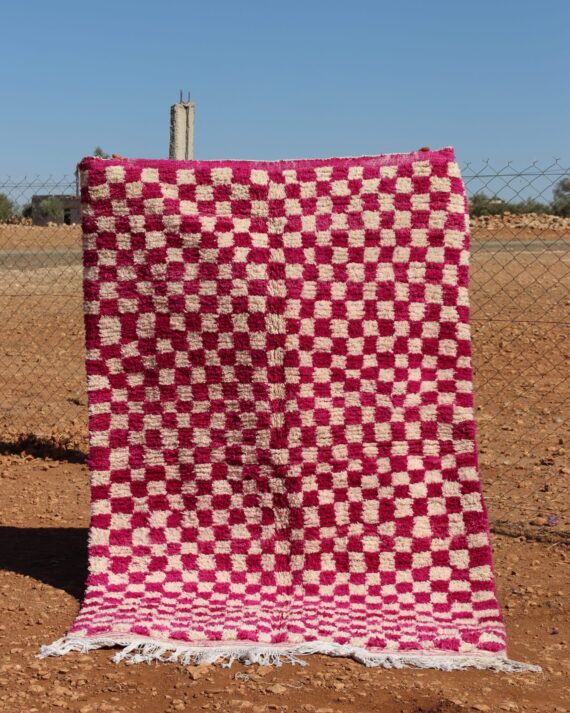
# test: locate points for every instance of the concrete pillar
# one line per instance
(182, 130)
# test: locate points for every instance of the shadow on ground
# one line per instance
(60, 449)
(55, 556)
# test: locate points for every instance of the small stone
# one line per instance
(481, 707)
(277, 688)
(197, 672)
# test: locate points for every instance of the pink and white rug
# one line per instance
(282, 439)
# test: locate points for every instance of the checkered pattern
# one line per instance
(282, 438)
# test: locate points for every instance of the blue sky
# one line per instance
(284, 79)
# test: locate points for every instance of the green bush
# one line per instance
(561, 198)
(98, 151)
(482, 204)
(529, 205)
(7, 207)
(52, 209)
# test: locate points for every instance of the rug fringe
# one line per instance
(140, 650)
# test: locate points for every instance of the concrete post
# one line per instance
(182, 130)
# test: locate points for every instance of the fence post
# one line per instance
(182, 129)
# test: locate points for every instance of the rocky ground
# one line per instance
(43, 518)
(520, 303)
(520, 319)
(532, 226)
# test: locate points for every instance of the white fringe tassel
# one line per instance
(141, 650)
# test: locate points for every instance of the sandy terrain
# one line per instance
(44, 515)
(520, 294)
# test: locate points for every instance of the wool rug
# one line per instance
(282, 441)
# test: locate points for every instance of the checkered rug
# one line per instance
(282, 438)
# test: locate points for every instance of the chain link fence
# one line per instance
(520, 307)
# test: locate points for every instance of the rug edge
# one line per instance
(146, 650)
(443, 153)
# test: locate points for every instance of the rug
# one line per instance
(283, 453)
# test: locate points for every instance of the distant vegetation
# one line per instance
(561, 198)
(479, 203)
(482, 204)
(98, 151)
(52, 209)
(7, 207)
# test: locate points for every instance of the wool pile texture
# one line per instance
(282, 439)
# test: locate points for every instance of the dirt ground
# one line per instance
(520, 300)
(520, 296)
(44, 514)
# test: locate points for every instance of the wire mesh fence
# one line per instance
(520, 309)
